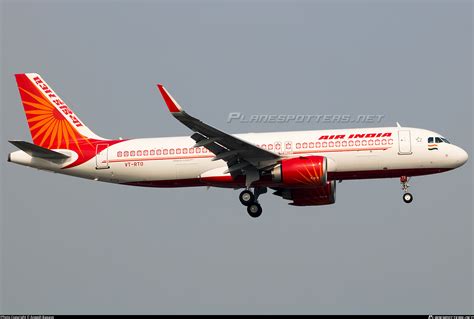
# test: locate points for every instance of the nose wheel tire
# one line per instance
(407, 198)
(254, 210)
(246, 197)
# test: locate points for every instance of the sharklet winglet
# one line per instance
(172, 105)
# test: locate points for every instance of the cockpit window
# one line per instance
(437, 139)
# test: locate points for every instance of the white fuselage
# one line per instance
(351, 153)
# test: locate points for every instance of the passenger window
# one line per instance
(438, 140)
(430, 140)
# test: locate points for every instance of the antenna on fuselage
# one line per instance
(398, 125)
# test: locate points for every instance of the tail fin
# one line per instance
(52, 123)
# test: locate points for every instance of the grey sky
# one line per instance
(72, 246)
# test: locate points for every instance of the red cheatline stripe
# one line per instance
(157, 158)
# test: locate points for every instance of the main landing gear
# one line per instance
(407, 197)
(250, 199)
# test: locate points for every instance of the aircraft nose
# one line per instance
(461, 156)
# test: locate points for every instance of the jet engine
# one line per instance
(303, 171)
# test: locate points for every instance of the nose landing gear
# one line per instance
(407, 197)
(249, 199)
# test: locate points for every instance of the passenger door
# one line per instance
(102, 156)
(404, 142)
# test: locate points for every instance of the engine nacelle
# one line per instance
(304, 171)
(324, 195)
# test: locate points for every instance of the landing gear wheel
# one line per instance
(407, 198)
(246, 197)
(254, 210)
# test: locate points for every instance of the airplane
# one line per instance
(299, 166)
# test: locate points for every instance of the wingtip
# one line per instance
(172, 105)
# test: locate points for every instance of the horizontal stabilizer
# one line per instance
(38, 151)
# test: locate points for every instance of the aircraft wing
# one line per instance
(240, 155)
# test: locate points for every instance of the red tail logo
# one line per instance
(52, 123)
